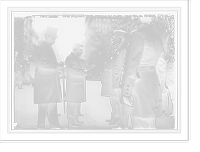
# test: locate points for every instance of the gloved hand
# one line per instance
(128, 100)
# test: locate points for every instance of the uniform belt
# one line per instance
(147, 68)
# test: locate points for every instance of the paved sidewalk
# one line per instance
(95, 110)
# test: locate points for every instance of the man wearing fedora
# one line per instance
(117, 69)
(47, 90)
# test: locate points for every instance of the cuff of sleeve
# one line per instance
(127, 89)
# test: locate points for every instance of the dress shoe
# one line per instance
(169, 115)
(108, 120)
(164, 111)
(79, 122)
(120, 127)
(55, 127)
(74, 125)
(114, 122)
(80, 114)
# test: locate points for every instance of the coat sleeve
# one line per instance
(133, 57)
(42, 62)
(161, 67)
(72, 69)
(84, 66)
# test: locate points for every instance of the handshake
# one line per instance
(60, 65)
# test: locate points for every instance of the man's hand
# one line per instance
(129, 100)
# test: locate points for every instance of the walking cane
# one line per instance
(64, 92)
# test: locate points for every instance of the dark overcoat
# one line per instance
(76, 85)
(143, 54)
(47, 85)
(107, 89)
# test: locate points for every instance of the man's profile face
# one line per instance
(79, 51)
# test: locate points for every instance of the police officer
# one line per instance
(117, 68)
(126, 110)
(170, 82)
(107, 84)
(143, 93)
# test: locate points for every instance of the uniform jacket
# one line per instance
(76, 91)
(117, 66)
(161, 69)
(107, 89)
(142, 56)
(47, 84)
(170, 73)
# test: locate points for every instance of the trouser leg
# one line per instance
(112, 108)
(42, 112)
(120, 104)
(71, 112)
(139, 123)
(76, 112)
(126, 112)
(78, 108)
(115, 107)
(165, 101)
(53, 115)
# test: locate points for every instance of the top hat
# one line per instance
(51, 31)
(119, 33)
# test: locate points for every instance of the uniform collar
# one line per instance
(141, 25)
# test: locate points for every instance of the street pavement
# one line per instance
(96, 110)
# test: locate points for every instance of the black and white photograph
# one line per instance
(107, 70)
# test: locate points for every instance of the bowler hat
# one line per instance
(119, 33)
(51, 31)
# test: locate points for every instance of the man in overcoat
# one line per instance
(170, 84)
(47, 91)
(107, 89)
(76, 89)
(141, 85)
